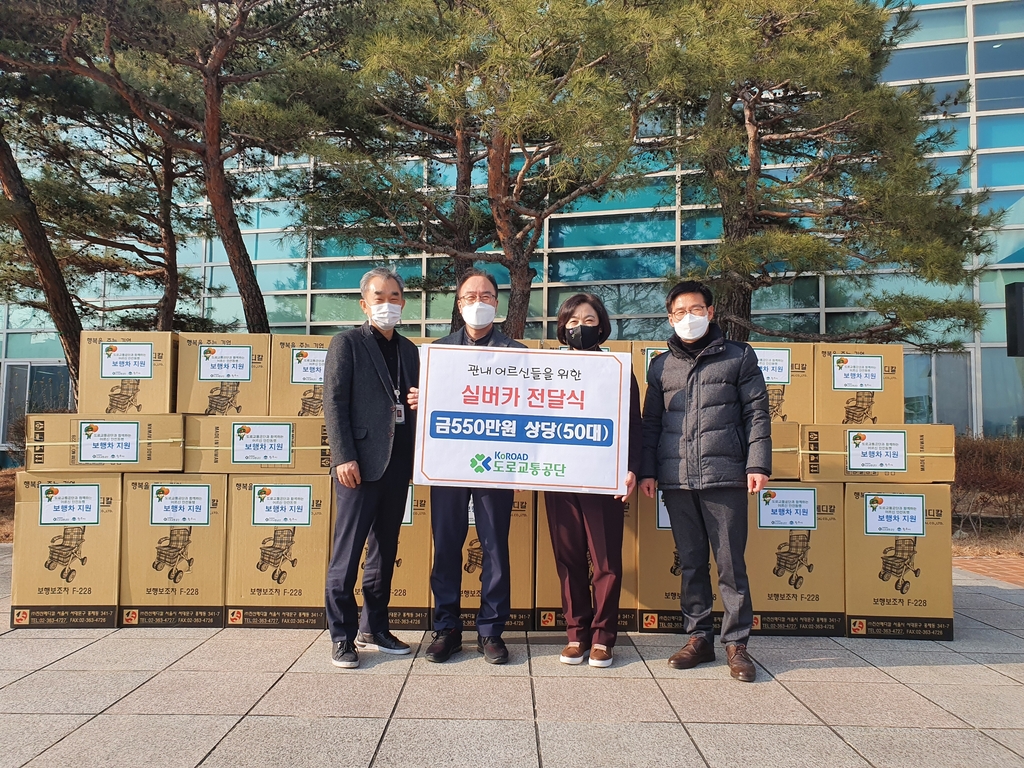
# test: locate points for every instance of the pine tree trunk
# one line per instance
(168, 302)
(521, 276)
(733, 300)
(51, 280)
(461, 267)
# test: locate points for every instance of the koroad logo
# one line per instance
(858, 438)
(162, 493)
(480, 463)
(242, 431)
(50, 493)
(90, 430)
(875, 502)
(301, 355)
(767, 497)
(841, 361)
(263, 493)
(209, 352)
(110, 350)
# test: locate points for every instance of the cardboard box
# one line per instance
(548, 614)
(660, 574)
(172, 561)
(899, 576)
(271, 443)
(858, 384)
(128, 372)
(789, 375)
(67, 543)
(277, 543)
(794, 559)
(297, 374)
(224, 375)
(901, 453)
(612, 345)
(76, 443)
(409, 607)
(785, 450)
(644, 353)
(521, 563)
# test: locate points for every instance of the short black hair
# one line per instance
(570, 305)
(474, 272)
(688, 286)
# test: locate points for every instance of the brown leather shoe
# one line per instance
(741, 666)
(696, 651)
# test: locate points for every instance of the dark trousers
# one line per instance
(582, 523)
(449, 520)
(717, 517)
(369, 515)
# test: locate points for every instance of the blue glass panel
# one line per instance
(275, 216)
(1000, 93)
(794, 323)
(993, 284)
(445, 174)
(190, 251)
(613, 230)
(654, 193)
(998, 18)
(801, 294)
(332, 307)
(945, 24)
(961, 140)
(218, 254)
(843, 322)
(951, 165)
(501, 273)
(222, 277)
(28, 317)
(535, 307)
(332, 248)
(286, 309)
(917, 389)
(947, 92)
(1002, 392)
(1000, 131)
(1010, 202)
(999, 55)
(227, 309)
(1009, 246)
(1001, 170)
(700, 227)
(334, 275)
(625, 264)
(619, 299)
(26, 346)
(657, 124)
(995, 326)
(921, 63)
(281, 277)
(274, 246)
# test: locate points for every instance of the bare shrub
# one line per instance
(989, 482)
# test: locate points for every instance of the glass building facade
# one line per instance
(621, 248)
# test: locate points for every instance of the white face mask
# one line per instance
(478, 315)
(691, 327)
(385, 316)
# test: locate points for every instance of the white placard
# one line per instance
(523, 419)
(308, 365)
(225, 363)
(61, 504)
(282, 504)
(774, 364)
(893, 514)
(791, 508)
(108, 442)
(872, 450)
(858, 372)
(126, 361)
(260, 443)
(179, 504)
(407, 517)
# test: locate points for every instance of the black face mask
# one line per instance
(583, 336)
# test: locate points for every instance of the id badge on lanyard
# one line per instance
(399, 408)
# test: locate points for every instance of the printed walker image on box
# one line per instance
(794, 559)
(71, 442)
(858, 384)
(271, 443)
(128, 372)
(548, 613)
(660, 572)
(224, 375)
(899, 581)
(410, 582)
(789, 375)
(277, 542)
(66, 550)
(900, 453)
(297, 374)
(172, 558)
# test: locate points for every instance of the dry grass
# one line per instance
(993, 539)
(7, 505)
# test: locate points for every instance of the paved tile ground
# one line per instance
(240, 697)
(1008, 569)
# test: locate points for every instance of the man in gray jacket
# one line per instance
(370, 428)
(707, 441)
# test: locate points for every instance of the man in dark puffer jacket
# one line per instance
(707, 442)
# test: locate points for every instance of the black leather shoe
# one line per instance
(493, 649)
(344, 655)
(446, 642)
(381, 641)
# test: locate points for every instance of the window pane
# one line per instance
(993, 283)
(439, 306)
(921, 63)
(1009, 246)
(1000, 131)
(1000, 170)
(34, 346)
(535, 307)
(611, 265)
(275, 215)
(995, 326)
(281, 277)
(49, 389)
(15, 391)
(948, 92)
(500, 273)
(621, 299)
(953, 390)
(331, 248)
(1012, 203)
(286, 309)
(917, 389)
(945, 24)
(802, 294)
(1002, 389)
(700, 227)
(332, 307)
(794, 323)
(226, 309)
(951, 167)
(613, 230)
(27, 317)
(1000, 93)
(961, 128)
(190, 251)
(274, 246)
(222, 276)
(654, 193)
(218, 254)
(998, 55)
(842, 322)
(998, 18)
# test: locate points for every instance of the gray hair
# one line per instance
(387, 273)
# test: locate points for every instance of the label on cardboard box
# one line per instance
(179, 504)
(225, 363)
(774, 364)
(791, 508)
(69, 504)
(108, 442)
(261, 443)
(888, 514)
(870, 450)
(857, 372)
(282, 505)
(308, 365)
(127, 361)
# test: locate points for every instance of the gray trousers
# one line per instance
(717, 517)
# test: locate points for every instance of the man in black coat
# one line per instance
(371, 430)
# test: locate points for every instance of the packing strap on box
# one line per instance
(222, 447)
(844, 453)
(141, 440)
